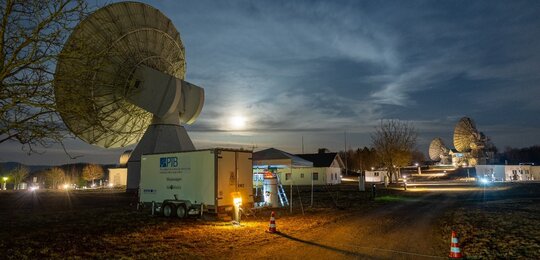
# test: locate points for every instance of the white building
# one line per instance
(329, 165)
(118, 175)
(301, 169)
(508, 172)
(375, 176)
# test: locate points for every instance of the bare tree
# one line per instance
(31, 37)
(55, 177)
(18, 175)
(394, 142)
(92, 172)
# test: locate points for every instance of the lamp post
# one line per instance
(5, 182)
(237, 203)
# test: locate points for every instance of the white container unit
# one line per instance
(190, 183)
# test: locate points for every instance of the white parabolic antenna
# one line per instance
(437, 149)
(465, 135)
(119, 81)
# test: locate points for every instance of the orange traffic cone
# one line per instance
(455, 251)
(272, 227)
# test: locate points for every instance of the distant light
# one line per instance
(34, 188)
(5, 179)
(111, 185)
(416, 164)
(484, 180)
(66, 186)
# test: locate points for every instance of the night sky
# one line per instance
(318, 69)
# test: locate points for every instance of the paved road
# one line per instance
(393, 231)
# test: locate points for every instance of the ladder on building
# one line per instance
(281, 193)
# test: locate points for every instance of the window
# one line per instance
(301, 175)
(376, 174)
(331, 176)
(287, 176)
(315, 176)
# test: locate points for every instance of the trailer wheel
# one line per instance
(168, 210)
(181, 211)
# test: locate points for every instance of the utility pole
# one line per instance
(302, 144)
(346, 155)
(312, 189)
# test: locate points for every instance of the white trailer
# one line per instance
(190, 183)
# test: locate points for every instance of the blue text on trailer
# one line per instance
(166, 162)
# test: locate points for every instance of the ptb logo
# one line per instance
(165, 162)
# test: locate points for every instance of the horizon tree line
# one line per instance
(55, 177)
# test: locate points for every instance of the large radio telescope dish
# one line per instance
(465, 135)
(437, 149)
(94, 78)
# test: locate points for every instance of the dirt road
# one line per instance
(404, 230)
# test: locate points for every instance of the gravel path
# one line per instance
(393, 231)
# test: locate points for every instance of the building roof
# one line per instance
(322, 159)
(275, 154)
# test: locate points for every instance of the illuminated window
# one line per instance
(315, 176)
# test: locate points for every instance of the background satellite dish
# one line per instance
(465, 135)
(120, 77)
(437, 149)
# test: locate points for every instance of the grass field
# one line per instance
(47, 224)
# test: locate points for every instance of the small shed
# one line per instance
(375, 175)
(118, 175)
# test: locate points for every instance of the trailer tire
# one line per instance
(168, 210)
(181, 211)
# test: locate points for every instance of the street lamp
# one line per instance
(5, 182)
(237, 203)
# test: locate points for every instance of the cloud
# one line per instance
(319, 68)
